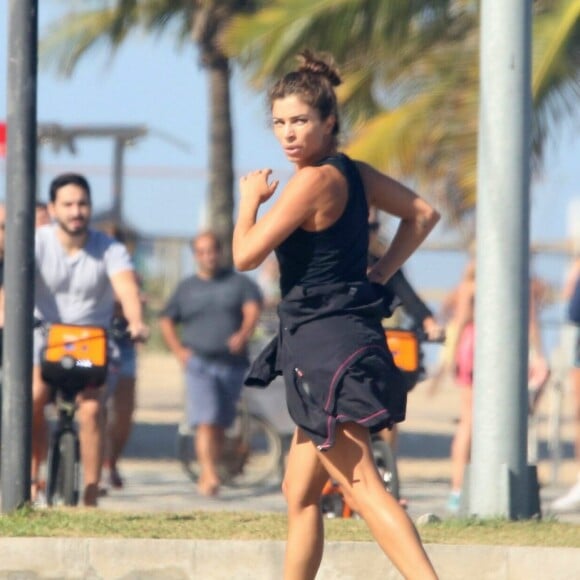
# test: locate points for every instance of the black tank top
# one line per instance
(336, 254)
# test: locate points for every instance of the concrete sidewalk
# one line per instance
(113, 559)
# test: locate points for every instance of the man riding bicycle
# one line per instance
(79, 271)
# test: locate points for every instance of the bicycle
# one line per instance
(405, 346)
(252, 453)
(75, 357)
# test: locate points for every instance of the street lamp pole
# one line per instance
(19, 262)
(500, 482)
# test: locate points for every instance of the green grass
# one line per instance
(265, 526)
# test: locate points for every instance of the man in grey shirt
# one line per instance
(218, 311)
(79, 271)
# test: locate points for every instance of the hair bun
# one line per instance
(319, 64)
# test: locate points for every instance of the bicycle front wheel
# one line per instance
(387, 465)
(63, 471)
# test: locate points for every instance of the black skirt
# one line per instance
(332, 352)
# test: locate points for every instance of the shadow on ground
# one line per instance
(159, 441)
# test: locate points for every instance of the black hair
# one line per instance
(68, 179)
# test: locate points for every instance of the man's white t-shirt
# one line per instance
(77, 289)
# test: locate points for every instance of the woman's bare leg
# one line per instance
(461, 445)
(302, 487)
(350, 463)
(209, 442)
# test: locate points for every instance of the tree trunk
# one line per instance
(220, 201)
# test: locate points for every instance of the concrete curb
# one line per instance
(151, 559)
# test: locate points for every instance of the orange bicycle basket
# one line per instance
(75, 353)
(404, 346)
(88, 343)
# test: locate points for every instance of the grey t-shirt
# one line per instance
(210, 311)
(77, 289)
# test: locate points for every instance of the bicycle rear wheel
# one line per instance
(387, 466)
(251, 455)
(260, 447)
(63, 471)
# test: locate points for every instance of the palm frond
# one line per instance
(391, 140)
(70, 39)
(352, 30)
(108, 25)
(556, 71)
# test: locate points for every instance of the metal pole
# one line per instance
(118, 158)
(19, 264)
(499, 482)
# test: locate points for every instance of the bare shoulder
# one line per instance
(313, 181)
(317, 174)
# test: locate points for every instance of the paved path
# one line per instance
(155, 481)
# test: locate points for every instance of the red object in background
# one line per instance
(2, 139)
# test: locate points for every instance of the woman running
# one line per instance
(341, 382)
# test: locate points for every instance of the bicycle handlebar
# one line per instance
(119, 329)
(421, 334)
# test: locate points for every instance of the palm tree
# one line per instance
(371, 39)
(411, 79)
(201, 21)
(440, 141)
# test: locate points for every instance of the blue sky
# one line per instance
(150, 82)
(147, 82)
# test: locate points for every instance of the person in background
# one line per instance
(461, 354)
(41, 217)
(570, 501)
(218, 310)
(413, 306)
(79, 271)
(404, 294)
(120, 394)
(462, 347)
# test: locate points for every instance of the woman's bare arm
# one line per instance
(418, 218)
(255, 238)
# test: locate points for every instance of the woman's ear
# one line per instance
(329, 124)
